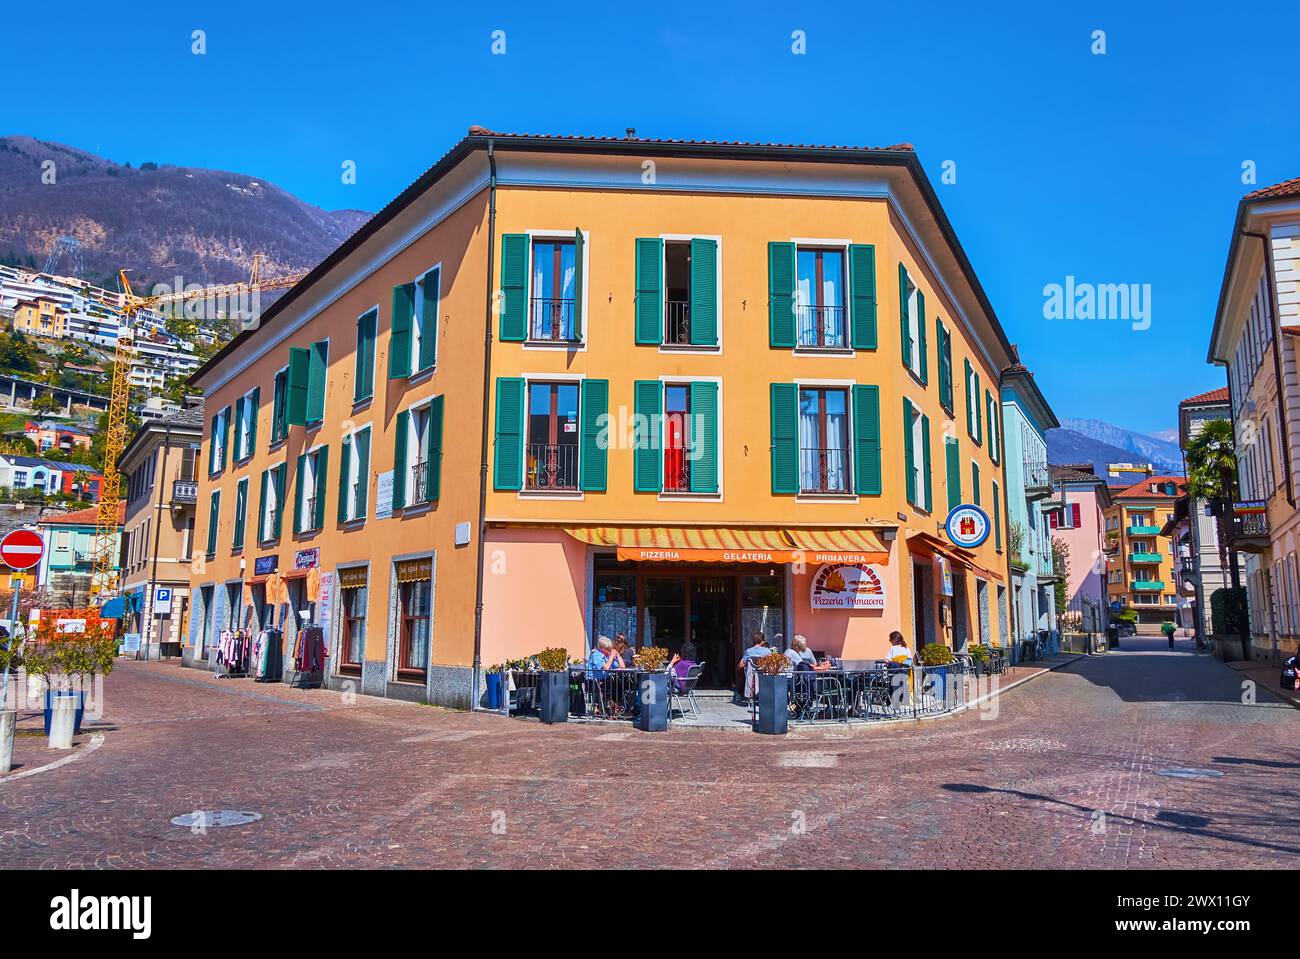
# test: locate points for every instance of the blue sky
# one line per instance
(1120, 168)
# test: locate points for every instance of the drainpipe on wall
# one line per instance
(487, 396)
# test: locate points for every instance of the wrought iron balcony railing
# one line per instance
(823, 470)
(677, 322)
(552, 467)
(821, 327)
(551, 320)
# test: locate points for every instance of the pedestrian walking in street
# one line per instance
(1168, 628)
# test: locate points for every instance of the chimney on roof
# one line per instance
(631, 133)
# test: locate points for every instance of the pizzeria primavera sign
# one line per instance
(848, 586)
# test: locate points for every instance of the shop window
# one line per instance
(819, 298)
(665, 611)
(823, 441)
(552, 452)
(415, 609)
(551, 311)
(354, 593)
(616, 604)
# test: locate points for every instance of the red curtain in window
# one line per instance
(675, 452)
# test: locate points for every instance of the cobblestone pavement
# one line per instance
(1066, 774)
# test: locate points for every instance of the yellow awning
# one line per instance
(684, 544)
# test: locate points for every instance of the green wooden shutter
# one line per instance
(866, 440)
(649, 291)
(433, 465)
(924, 351)
(578, 246)
(945, 364)
(225, 438)
(514, 288)
(905, 326)
(241, 513)
(363, 386)
(970, 407)
(345, 463)
(975, 482)
(909, 452)
(952, 453)
(862, 272)
(785, 437)
(995, 429)
(979, 414)
(508, 468)
(316, 378)
(647, 463)
(925, 461)
(780, 295)
(281, 484)
(214, 514)
(239, 428)
(322, 484)
(363, 472)
(399, 331)
(280, 406)
(299, 477)
(399, 458)
(212, 444)
(997, 517)
(704, 436)
(298, 388)
(593, 454)
(254, 408)
(704, 292)
(429, 327)
(261, 509)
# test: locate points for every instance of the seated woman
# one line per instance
(802, 658)
(899, 653)
(622, 654)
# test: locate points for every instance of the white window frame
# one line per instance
(352, 512)
(243, 442)
(529, 379)
(823, 384)
(846, 295)
(310, 465)
(666, 381)
(579, 345)
(413, 444)
(264, 534)
(418, 321)
(914, 330)
(374, 358)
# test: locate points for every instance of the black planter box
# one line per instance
(553, 697)
(652, 702)
(774, 704)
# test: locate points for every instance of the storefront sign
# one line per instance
(413, 570)
(656, 554)
(942, 575)
(384, 495)
(968, 526)
(845, 586)
(265, 565)
(352, 577)
(306, 558)
(325, 602)
(70, 625)
(162, 601)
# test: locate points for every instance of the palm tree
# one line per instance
(1211, 475)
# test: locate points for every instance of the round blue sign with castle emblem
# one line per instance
(968, 526)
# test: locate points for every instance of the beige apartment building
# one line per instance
(158, 532)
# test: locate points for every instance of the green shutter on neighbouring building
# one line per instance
(862, 275)
(298, 385)
(593, 454)
(780, 295)
(225, 438)
(970, 407)
(508, 463)
(300, 476)
(363, 386)
(647, 463)
(704, 437)
(254, 408)
(904, 321)
(923, 353)
(213, 444)
(579, 245)
(281, 484)
(399, 331)
(214, 513)
(979, 414)
(997, 518)
(704, 292)
(649, 306)
(514, 287)
(321, 477)
(945, 364)
(785, 437)
(433, 465)
(241, 511)
(402, 425)
(261, 509)
(430, 295)
(952, 454)
(866, 440)
(363, 472)
(909, 452)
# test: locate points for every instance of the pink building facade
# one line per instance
(1079, 525)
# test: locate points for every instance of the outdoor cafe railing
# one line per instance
(873, 695)
(602, 694)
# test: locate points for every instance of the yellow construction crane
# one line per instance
(102, 580)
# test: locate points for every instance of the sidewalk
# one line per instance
(1268, 677)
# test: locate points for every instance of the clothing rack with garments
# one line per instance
(268, 656)
(309, 658)
(232, 653)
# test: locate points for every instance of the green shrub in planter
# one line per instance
(553, 660)
(936, 654)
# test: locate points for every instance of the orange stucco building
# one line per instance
(563, 387)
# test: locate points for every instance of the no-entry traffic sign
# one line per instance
(22, 549)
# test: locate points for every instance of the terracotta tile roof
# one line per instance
(1072, 474)
(81, 517)
(1213, 396)
(1142, 490)
(1285, 188)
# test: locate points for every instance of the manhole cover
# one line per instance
(210, 818)
(1189, 773)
